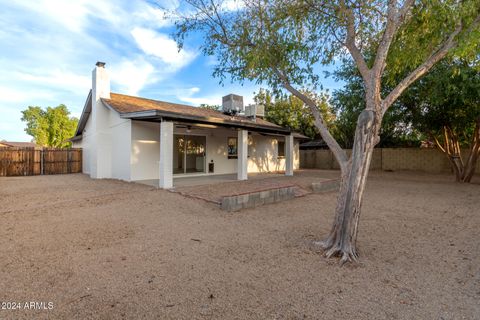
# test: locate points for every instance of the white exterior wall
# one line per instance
(263, 152)
(113, 135)
(145, 150)
(86, 145)
(120, 133)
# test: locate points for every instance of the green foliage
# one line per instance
(289, 111)
(50, 127)
(431, 22)
(449, 96)
(296, 36)
(349, 102)
(210, 107)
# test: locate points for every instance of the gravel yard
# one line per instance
(114, 250)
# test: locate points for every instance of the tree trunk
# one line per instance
(342, 238)
(451, 147)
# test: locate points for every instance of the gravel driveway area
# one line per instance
(105, 249)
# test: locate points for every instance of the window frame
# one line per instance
(280, 155)
(231, 155)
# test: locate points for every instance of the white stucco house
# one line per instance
(134, 139)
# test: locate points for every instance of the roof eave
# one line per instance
(159, 115)
(87, 109)
(76, 138)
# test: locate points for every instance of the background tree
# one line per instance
(291, 112)
(213, 107)
(349, 102)
(50, 127)
(445, 107)
(281, 42)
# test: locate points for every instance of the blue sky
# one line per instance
(49, 48)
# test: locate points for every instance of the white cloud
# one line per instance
(152, 17)
(64, 79)
(162, 47)
(132, 75)
(16, 96)
(73, 15)
(233, 5)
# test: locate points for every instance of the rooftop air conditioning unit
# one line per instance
(232, 104)
(255, 110)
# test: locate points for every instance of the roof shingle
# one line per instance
(128, 104)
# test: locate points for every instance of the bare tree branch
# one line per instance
(352, 46)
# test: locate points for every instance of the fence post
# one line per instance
(42, 162)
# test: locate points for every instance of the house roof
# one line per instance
(14, 144)
(136, 108)
(314, 144)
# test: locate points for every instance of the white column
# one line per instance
(166, 155)
(242, 161)
(289, 155)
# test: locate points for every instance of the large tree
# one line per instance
(282, 42)
(50, 127)
(445, 107)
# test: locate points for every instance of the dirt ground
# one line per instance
(114, 250)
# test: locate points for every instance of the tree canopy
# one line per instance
(50, 127)
(349, 101)
(291, 112)
(213, 107)
(445, 107)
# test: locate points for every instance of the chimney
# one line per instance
(99, 150)
(232, 104)
(100, 82)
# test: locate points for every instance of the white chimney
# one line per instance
(99, 148)
(100, 82)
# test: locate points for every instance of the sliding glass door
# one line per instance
(189, 154)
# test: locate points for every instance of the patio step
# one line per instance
(258, 198)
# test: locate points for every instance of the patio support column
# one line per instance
(289, 155)
(242, 155)
(166, 155)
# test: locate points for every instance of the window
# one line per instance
(232, 147)
(280, 149)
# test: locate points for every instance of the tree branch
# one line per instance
(426, 66)
(337, 151)
(352, 46)
(395, 18)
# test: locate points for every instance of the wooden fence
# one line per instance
(31, 161)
